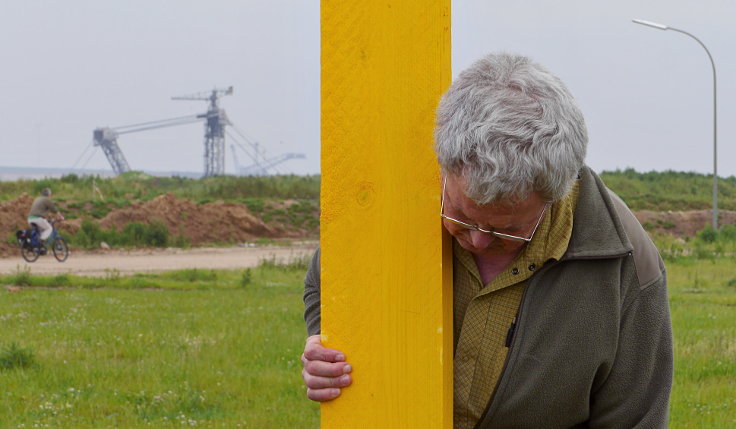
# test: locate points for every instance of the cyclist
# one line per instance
(41, 208)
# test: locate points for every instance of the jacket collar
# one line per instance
(597, 231)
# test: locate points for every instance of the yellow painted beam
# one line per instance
(386, 270)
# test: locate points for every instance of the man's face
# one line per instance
(518, 219)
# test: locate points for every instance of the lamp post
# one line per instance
(715, 133)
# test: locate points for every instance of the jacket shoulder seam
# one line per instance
(648, 264)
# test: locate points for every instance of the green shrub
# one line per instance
(703, 252)
(193, 275)
(22, 276)
(69, 178)
(181, 241)
(39, 186)
(60, 280)
(133, 233)
(157, 234)
(254, 205)
(90, 234)
(707, 234)
(246, 278)
(299, 263)
(14, 356)
(112, 275)
(728, 233)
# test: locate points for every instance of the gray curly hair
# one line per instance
(510, 128)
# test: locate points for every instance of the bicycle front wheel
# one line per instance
(28, 252)
(61, 250)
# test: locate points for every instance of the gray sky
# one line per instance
(71, 66)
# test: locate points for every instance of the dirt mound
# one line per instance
(13, 216)
(13, 213)
(683, 224)
(210, 222)
(200, 223)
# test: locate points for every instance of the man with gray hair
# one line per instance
(560, 307)
(41, 208)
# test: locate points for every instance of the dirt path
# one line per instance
(134, 261)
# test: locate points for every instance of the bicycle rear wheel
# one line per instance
(61, 250)
(29, 253)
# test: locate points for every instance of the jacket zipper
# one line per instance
(510, 335)
(509, 343)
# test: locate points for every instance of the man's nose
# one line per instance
(480, 240)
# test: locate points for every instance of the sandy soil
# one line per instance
(134, 261)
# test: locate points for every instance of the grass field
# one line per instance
(216, 349)
(225, 356)
(703, 308)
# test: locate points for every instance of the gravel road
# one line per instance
(134, 261)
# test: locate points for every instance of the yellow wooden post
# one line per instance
(386, 276)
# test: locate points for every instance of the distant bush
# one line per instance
(14, 356)
(670, 190)
(255, 205)
(728, 233)
(300, 263)
(90, 235)
(180, 241)
(246, 277)
(70, 178)
(708, 244)
(61, 280)
(140, 186)
(154, 234)
(22, 276)
(100, 209)
(707, 235)
(192, 275)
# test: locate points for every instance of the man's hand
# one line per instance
(325, 371)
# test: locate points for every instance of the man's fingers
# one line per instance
(327, 369)
(315, 351)
(322, 395)
(316, 382)
(324, 370)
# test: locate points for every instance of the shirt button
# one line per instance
(514, 271)
(532, 267)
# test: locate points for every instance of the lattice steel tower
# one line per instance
(214, 130)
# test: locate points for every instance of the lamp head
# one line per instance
(650, 24)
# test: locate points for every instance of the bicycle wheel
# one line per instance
(28, 252)
(61, 250)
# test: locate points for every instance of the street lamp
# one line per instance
(715, 158)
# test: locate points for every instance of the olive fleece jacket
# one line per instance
(592, 346)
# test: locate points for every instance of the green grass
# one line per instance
(211, 352)
(670, 190)
(703, 308)
(134, 185)
(220, 349)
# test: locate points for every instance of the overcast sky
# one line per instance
(69, 67)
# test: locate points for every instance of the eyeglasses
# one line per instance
(493, 233)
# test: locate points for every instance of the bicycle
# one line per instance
(31, 247)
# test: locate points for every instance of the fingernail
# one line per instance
(335, 392)
(347, 368)
(344, 379)
(340, 357)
